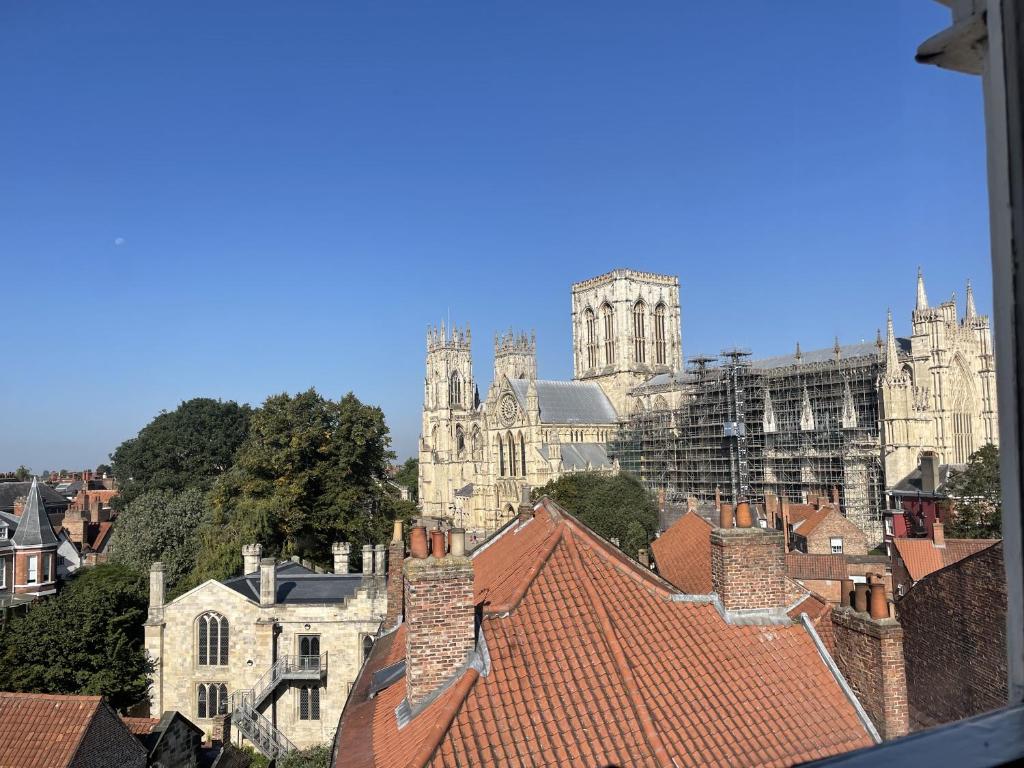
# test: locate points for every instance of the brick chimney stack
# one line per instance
(748, 566)
(340, 550)
(939, 534)
(251, 554)
(268, 582)
(19, 506)
(396, 584)
(440, 614)
(868, 649)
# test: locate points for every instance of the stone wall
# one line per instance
(954, 624)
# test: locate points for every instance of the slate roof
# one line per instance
(11, 491)
(580, 456)
(296, 584)
(846, 352)
(922, 557)
(593, 660)
(44, 731)
(683, 554)
(568, 402)
(803, 566)
(34, 526)
(911, 484)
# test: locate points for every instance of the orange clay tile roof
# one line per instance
(805, 518)
(683, 554)
(803, 566)
(922, 557)
(141, 726)
(41, 730)
(595, 661)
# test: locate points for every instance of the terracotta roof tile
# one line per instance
(803, 566)
(596, 664)
(141, 726)
(922, 557)
(683, 554)
(41, 730)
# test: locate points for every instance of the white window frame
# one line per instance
(3, 573)
(835, 543)
(32, 573)
(4, 533)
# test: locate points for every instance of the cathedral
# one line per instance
(848, 421)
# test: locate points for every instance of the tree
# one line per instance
(86, 640)
(615, 506)
(408, 477)
(190, 446)
(103, 469)
(310, 472)
(23, 473)
(977, 497)
(312, 757)
(160, 525)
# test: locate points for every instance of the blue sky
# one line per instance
(235, 199)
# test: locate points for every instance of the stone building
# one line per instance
(276, 648)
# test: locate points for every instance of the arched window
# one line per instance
(608, 319)
(510, 447)
(639, 332)
(522, 455)
(460, 440)
(367, 646)
(309, 702)
(591, 324)
(476, 444)
(212, 640)
(660, 352)
(211, 700)
(501, 456)
(455, 390)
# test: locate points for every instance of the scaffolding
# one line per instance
(798, 426)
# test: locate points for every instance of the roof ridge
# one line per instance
(639, 706)
(527, 581)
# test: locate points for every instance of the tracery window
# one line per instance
(455, 390)
(659, 335)
(460, 440)
(639, 332)
(501, 456)
(212, 639)
(608, 317)
(591, 324)
(510, 446)
(211, 700)
(309, 702)
(522, 455)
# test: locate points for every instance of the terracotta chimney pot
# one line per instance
(396, 531)
(437, 543)
(846, 590)
(725, 516)
(860, 598)
(418, 542)
(938, 534)
(879, 603)
(457, 542)
(718, 498)
(743, 517)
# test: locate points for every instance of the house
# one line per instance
(276, 648)
(547, 646)
(821, 574)
(954, 623)
(919, 500)
(49, 731)
(913, 559)
(816, 528)
(682, 554)
(172, 741)
(28, 552)
(13, 496)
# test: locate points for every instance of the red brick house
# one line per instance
(28, 552)
(954, 623)
(548, 646)
(46, 731)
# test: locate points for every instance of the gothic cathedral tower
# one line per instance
(625, 328)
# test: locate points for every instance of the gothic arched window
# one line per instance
(608, 319)
(522, 455)
(309, 702)
(460, 440)
(212, 640)
(455, 390)
(639, 332)
(501, 456)
(591, 324)
(211, 700)
(660, 355)
(475, 444)
(510, 445)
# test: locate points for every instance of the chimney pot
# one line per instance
(879, 604)
(938, 534)
(718, 498)
(396, 531)
(643, 558)
(860, 598)
(418, 542)
(525, 505)
(743, 517)
(846, 592)
(437, 543)
(725, 516)
(457, 542)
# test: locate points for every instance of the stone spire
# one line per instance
(922, 297)
(849, 409)
(799, 355)
(837, 350)
(34, 526)
(769, 423)
(892, 360)
(806, 413)
(970, 312)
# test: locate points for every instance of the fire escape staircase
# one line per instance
(245, 705)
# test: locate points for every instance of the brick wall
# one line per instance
(440, 621)
(869, 653)
(396, 583)
(835, 525)
(748, 568)
(954, 624)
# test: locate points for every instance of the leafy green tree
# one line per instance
(312, 757)
(977, 497)
(23, 473)
(408, 477)
(190, 446)
(86, 640)
(160, 525)
(310, 472)
(103, 469)
(615, 506)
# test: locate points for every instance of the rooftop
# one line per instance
(922, 557)
(683, 554)
(568, 402)
(591, 659)
(296, 584)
